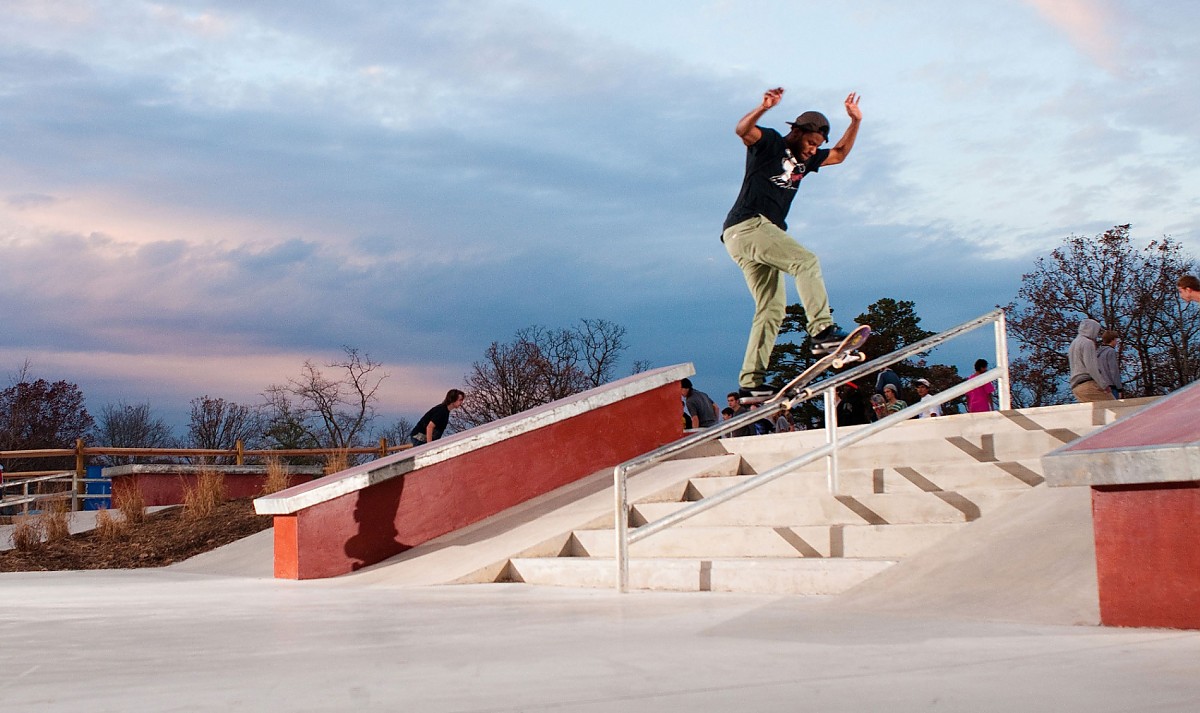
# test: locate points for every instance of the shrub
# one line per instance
(27, 534)
(55, 522)
(109, 527)
(132, 505)
(202, 501)
(337, 461)
(277, 477)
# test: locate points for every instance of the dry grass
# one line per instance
(109, 528)
(55, 521)
(132, 505)
(27, 533)
(202, 500)
(337, 461)
(277, 477)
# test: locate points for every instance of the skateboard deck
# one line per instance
(845, 353)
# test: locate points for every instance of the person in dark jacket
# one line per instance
(1110, 362)
(433, 424)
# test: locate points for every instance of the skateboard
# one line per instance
(845, 353)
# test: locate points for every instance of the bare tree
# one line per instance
(1128, 290)
(537, 367)
(325, 411)
(601, 343)
(397, 433)
(218, 424)
(125, 425)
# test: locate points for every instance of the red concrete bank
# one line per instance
(368, 513)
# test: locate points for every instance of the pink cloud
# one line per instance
(1090, 26)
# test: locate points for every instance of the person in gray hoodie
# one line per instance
(1110, 362)
(1087, 383)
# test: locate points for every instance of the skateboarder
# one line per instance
(754, 231)
(1189, 288)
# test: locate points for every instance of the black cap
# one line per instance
(812, 121)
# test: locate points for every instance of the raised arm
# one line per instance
(841, 149)
(747, 128)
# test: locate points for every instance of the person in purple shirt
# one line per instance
(980, 399)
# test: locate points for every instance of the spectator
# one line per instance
(726, 414)
(926, 395)
(886, 376)
(850, 411)
(783, 423)
(1110, 362)
(433, 424)
(701, 410)
(1087, 383)
(878, 407)
(1189, 288)
(737, 408)
(893, 403)
(762, 426)
(980, 399)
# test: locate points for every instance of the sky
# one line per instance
(196, 197)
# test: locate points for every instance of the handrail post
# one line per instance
(831, 461)
(80, 475)
(240, 456)
(1005, 390)
(383, 447)
(622, 510)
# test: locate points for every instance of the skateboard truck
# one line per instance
(847, 352)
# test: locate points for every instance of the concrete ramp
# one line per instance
(251, 557)
(1032, 561)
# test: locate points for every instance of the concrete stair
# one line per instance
(901, 492)
(736, 574)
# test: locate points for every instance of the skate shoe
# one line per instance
(754, 395)
(827, 340)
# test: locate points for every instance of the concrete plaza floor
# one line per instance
(170, 640)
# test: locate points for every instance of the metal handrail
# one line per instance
(827, 386)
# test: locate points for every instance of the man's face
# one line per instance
(733, 402)
(922, 390)
(804, 144)
(1187, 294)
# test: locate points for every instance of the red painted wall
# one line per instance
(368, 526)
(1148, 554)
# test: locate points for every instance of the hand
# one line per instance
(852, 107)
(771, 97)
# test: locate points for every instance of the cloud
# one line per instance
(223, 180)
(1091, 26)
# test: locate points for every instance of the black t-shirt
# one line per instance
(772, 177)
(440, 415)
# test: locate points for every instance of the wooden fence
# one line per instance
(82, 452)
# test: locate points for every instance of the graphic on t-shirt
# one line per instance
(793, 172)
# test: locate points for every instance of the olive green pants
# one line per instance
(765, 253)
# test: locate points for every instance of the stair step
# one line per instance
(764, 576)
(884, 541)
(823, 509)
(960, 477)
(765, 452)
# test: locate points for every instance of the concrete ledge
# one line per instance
(365, 514)
(1144, 474)
(1158, 444)
(166, 483)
